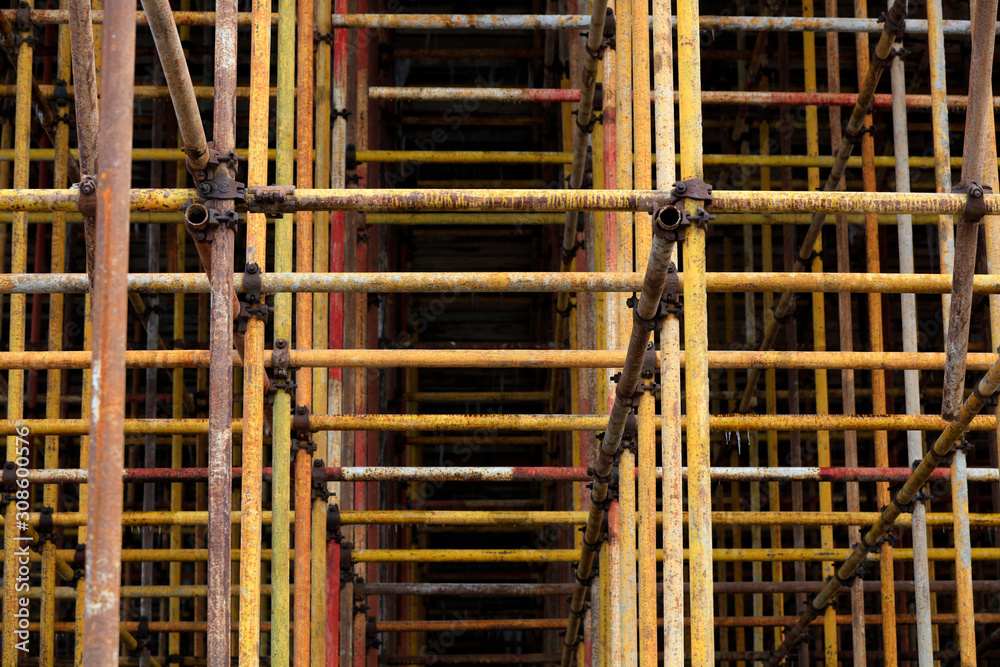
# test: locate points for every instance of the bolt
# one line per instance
(199, 236)
(205, 188)
(318, 463)
(280, 343)
(680, 188)
(87, 187)
(301, 409)
(975, 191)
(252, 268)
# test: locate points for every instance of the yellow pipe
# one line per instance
(15, 378)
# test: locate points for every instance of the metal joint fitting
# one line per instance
(214, 183)
(608, 36)
(203, 223)
(649, 366)
(46, 528)
(282, 370)
(300, 423)
(86, 201)
(894, 21)
(303, 446)
(964, 445)
(371, 634)
(333, 522)
(975, 203)
(568, 254)
(603, 479)
(589, 127)
(319, 480)
(271, 200)
(856, 138)
(987, 401)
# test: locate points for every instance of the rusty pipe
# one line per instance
(646, 311)
(901, 502)
(110, 308)
(81, 32)
(967, 227)
(175, 70)
(892, 29)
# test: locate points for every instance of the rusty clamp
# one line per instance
(86, 201)
(608, 37)
(975, 202)
(282, 370)
(271, 200)
(671, 220)
(214, 183)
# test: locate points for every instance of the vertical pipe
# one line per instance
(846, 331)
(53, 380)
(941, 138)
(696, 345)
(624, 576)
(15, 377)
(281, 431)
(770, 396)
(646, 607)
(332, 602)
(873, 264)
(322, 223)
(911, 378)
(819, 335)
(110, 308)
(253, 361)
(670, 371)
(319, 573)
(220, 399)
(335, 387)
(992, 224)
(177, 441)
(615, 638)
(304, 329)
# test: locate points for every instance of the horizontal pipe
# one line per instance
(719, 588)
(524, 590)
(529, 555)
(504, 282)
(528, 21)
(558, 22)
(515, 474)
(721, 97)
(511, 422)
(567, 96)
(450, 358)
(381, 200)
(525, 519)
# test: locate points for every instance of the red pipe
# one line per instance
(333, 602)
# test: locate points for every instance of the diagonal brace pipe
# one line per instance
(893, 29)
(646, 312)
(967, 229)
(901, 503)
(175, 70)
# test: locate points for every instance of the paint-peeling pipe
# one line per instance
(175, 70)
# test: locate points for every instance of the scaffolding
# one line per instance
(355, 346)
